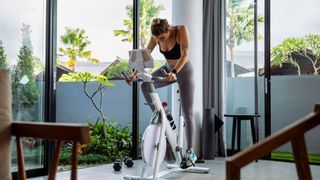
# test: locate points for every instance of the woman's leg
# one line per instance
(146, 88)
(186, 86)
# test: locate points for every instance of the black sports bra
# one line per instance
(174, 53)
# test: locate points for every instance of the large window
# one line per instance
(93, 38)
(294, 69)
(244, 64)
(22, 52)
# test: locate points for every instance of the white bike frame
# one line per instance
(176, 146)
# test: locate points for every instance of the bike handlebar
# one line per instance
(154, 78)
(126, 77)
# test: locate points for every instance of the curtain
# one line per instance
(213, 64)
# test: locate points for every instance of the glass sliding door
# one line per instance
(244, 66)
(93, 40)
(294, 69)
(22, 45)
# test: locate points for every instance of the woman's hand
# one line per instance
(171, 76)
(132, 77)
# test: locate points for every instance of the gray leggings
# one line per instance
(186, 86)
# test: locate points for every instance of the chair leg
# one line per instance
(239, 133)
(74, 162)
(234, 125)
(301, 158)
(55, 161)
(253, 132)
(21, 171)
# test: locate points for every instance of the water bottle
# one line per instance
(169, 116)
(170, 119)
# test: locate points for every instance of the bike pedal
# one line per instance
(199, 161)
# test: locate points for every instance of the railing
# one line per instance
(293, 133)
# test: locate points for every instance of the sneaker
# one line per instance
(189, 159)
(191, 156)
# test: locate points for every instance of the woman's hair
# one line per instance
(159, 26)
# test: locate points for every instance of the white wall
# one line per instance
(189, 13)
(74, 107)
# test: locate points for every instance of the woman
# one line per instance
(173, 43)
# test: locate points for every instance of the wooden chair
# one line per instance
(48, 131)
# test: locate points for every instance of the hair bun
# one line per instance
(156, 21)
(159, 26)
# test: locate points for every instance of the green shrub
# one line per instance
(116, 145)
(84, 159)
(114, 71)
(102, 150)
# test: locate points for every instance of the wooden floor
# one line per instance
(262, 170)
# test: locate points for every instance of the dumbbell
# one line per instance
(117, 165)
(128, 161)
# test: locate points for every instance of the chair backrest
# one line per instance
(5, 125)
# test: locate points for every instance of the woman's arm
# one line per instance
(152, 43)
(184, 47)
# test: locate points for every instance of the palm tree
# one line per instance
(147, 11)
(240, 26)
(76, 43)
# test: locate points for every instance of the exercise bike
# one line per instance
(159, 133)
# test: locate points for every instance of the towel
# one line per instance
(5, 125)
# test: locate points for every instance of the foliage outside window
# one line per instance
(240, 26)
(3, 57)
(24, 89)
(308, 48)
(100, 90)
(114, 72)
(76, 43)
(147, 11)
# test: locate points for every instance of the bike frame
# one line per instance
(176, 143)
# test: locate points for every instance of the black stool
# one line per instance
(236, 124)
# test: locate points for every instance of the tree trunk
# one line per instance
(95, 105)
(104, 128)
(232, 61)
(315, 69)
(232, 41)
(299, 70)
(314, 63)
(142, 42)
